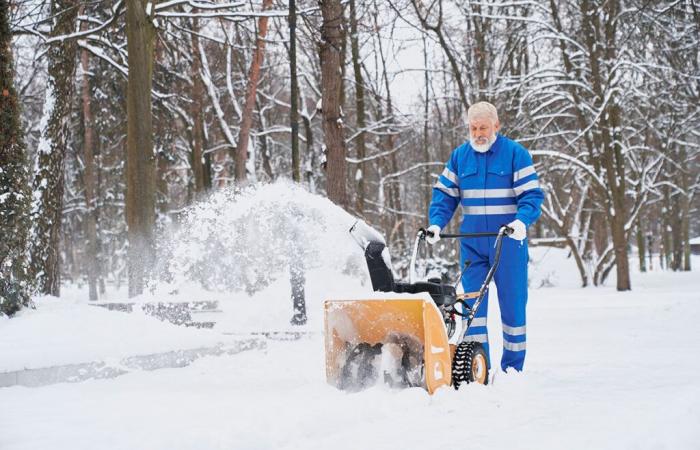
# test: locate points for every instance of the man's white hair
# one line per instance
(480, 110)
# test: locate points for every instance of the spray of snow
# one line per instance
(245, 240)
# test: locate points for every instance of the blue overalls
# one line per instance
(494, 188)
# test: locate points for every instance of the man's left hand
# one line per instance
(519, 230)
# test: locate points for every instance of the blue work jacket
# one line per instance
(494, 188)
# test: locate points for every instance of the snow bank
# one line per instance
(70, 331)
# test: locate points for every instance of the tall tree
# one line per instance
(197, 162)
(359, 109)
(140, 159)
(251, 92)
(294, 91)
(14, 192)
(48, 185)
(332, 37)
(89, 179)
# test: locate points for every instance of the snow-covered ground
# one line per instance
(605, 370)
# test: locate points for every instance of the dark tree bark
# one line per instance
(14, 191)
(603, 142)
(264, 147)
(197, 116)
(140, 159)
(308, 133)
(360, 109)
(251, 92)
(48, 185)
(92, 262)
(294, 97)
(641, 245)
(604, 49)
(427, 185)
(331, 85)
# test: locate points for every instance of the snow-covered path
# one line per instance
(605, 370)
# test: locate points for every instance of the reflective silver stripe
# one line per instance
(522, 173)
(534, 184)
(483, 338)
(519, 347)
(513, 331)
(488, 193)
(452, 192)
(450, 175)
(479, 322)
(484, 210)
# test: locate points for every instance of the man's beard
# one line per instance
(484, 146)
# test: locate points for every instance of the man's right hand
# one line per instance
(432, 234)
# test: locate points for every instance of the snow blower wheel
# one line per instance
(469, 364)
(360, 369)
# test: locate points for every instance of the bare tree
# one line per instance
(251, 90)
(332, 37)
(89, 178)
(14, 194)
(48, 185)
(197, 111)
(294, 92)
(140, 159)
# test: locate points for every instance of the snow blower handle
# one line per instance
(504, 230)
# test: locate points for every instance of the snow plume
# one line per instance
(244, 240)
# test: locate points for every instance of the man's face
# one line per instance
(482, 132)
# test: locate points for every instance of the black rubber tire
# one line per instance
(358, 373)
(465, 355)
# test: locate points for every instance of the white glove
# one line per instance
(436, 234)
(519, 230)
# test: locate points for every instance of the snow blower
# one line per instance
(405, 334)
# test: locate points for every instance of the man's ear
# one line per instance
(497, 125)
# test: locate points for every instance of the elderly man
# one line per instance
(493, 178)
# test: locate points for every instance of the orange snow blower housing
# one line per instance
(357, 330)
(406, 333)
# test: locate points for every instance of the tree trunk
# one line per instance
(427, 185)
(197, 116)
(90, 179)
(641, 245)
(360, 110)
(666, 236)
(265, 151)
(296, 268)
(685, 229)
(331, 85)
(294, 97)
(140, 159)
(14, 191)
(251, 91)
(676, 231)
(600, 41)
(48, 185)
(309, 135)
